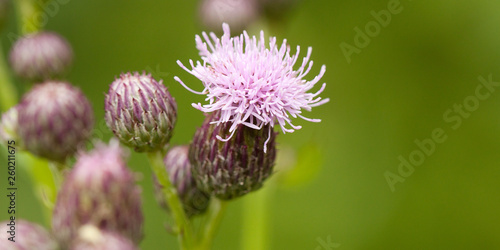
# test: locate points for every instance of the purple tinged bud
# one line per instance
(27, 235)
(100, 190)
(233, 168)
(238, 14)
(140, 111)
(92, 238)
(179, 169)
(41, 56)
(55, 118)
(8, 127)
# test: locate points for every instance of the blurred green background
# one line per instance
(396, 90)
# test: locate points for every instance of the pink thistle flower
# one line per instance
(252, 84)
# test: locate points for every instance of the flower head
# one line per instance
(54, 119)
(252, 84)
(140, 111)
(100, 190)
(41, 56)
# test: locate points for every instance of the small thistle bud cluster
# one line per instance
(8, 126)
(235, 167)
(179, 169)
(41, 56)
(140, 111)
(92, 238)
(54, 118)
(27, 235)
(101, 191)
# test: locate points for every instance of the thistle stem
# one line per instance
(43, 182)
(8, 95)
(184, 230)
(255, 228)
(27, 13)
(215, 214)
(56, 169)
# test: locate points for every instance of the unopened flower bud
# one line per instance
(25, 235)
(178, 167)
(239, 14)
(100, 190)
(140, 111)
(41, 56)
(92, 238)
(8, 127)
(232, 168)
(54, 118)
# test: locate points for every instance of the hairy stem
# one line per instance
(183, 225)
(215, 214)
(255, 235)
(8, 95)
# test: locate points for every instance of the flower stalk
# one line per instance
(183, 226)
(8, 95)
(214, 216)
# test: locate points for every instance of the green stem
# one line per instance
(28, 15)
(8, 95)
(255, 228)
(57, 174)
(43, 181)
(215, 214)
(184, 230)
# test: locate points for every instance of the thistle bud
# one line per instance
(41, 56)
(8, 126)
(232, 168)
(140, 111)
(92, 238)
(25, 235)
(239, 14)
(54, 119)
(178, 167)
(100, 190)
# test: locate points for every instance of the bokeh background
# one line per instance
(395, 91)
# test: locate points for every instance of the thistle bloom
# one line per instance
(41, 56)
(100, 190)
(27, 235)
(253, 85)
(140, 111)
(178, 167)
(54, 119)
